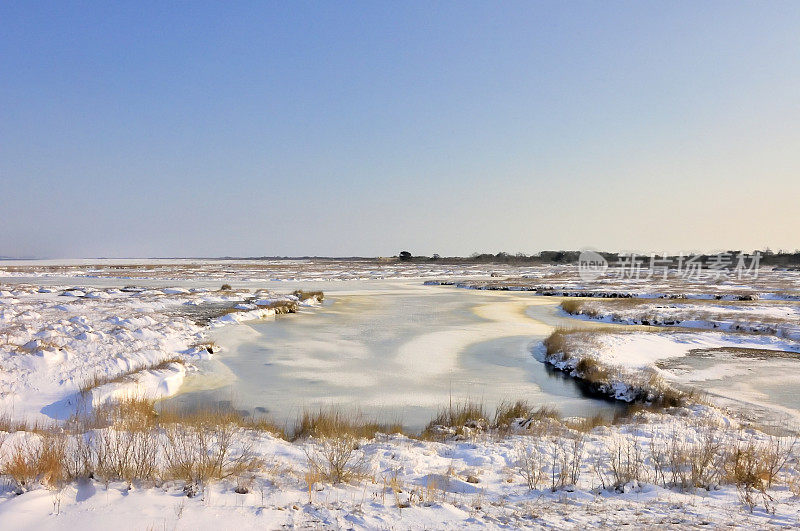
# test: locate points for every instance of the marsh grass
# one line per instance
(466, 414)
(282, 306)
(333, 422)
(9, 424)
(567, 345)
(587, 424)
(99, 379)
(305, 295)
(209, 346)
(507, 412)
(34, 461)
(574, 306)
(593, 371)
(132, 441)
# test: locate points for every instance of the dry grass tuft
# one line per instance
(331, 423)
(9, 424)
(508, 412)
(468, 414)
(209, 346)
(100, 379)
(592, 370)
(210, 417)
(572, 306)
(305, 295)
(282, 306)
(36, 461)
(586, 425)
(556, 342)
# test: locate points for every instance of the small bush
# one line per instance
(530, 465)
(199, 453)
(127, 455)
(747, 470)
(566, 456)
(624, 463)
(336, 459)
(38, 460)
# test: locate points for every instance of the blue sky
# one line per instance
(350, 128)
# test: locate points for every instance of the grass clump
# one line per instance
(209, 346)
(507, 413)
(565, 350)
(557, 343)
(587, 424)
(36, 461)
(281, 307)
(332, 423)
(457, 419)
(305, 295)
(592, 370)
(100, 379)
(572, 306)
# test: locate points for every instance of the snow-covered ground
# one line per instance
(67, 345)
(412, 484)
(565, 280)
(641, 350)
(56, 342)
(780, 319)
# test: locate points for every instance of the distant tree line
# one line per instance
(768, 257)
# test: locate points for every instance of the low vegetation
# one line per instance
(335, 460)
(566, 350)
(305, 295)
(134, 442)
(521, 414)
(330, 423)
(460, 418)
(99, 379)
(281, 306)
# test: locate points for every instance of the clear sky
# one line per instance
(363, 128)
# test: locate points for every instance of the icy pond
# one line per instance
(396, 351)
